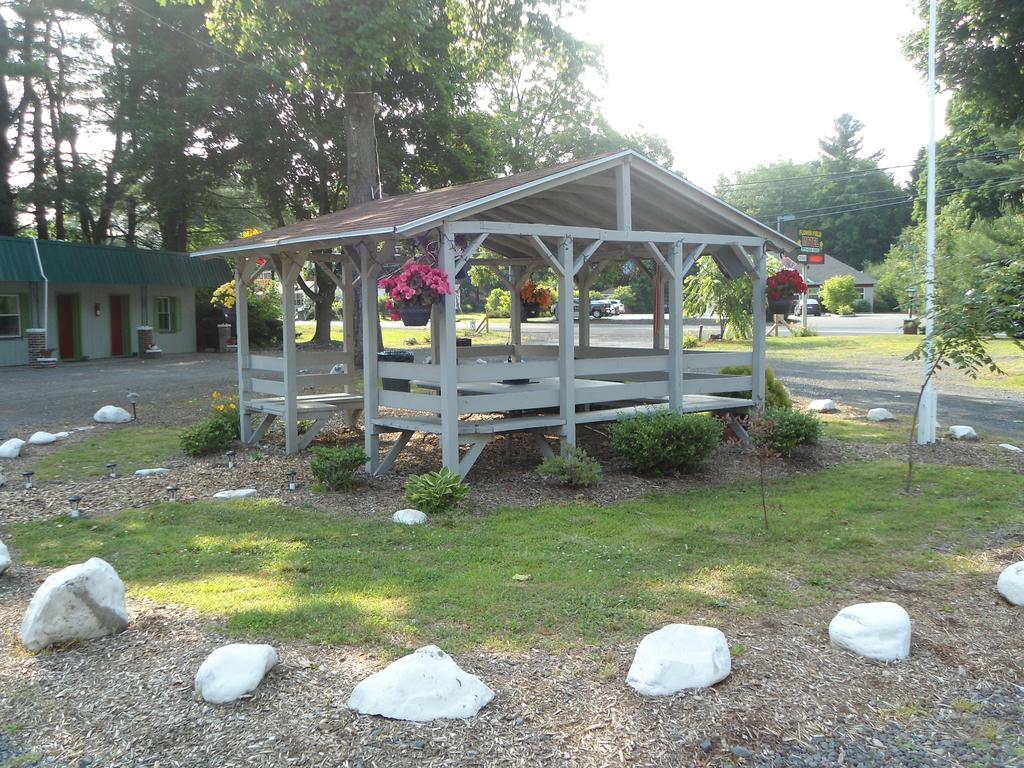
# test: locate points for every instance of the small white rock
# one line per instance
(237, 493)
(880, 414)
(822, 406)
(339, 368)
(678, 657)
(234, 670)
(151, 472)
(409, 517)
(5, 558)
(42, 438)
(79, 602)
(1011, 448)
(876, 630)
(1011, 583)
(112, 414)
(423, 686)
(960, 432)
(11, 449)
(61, 435)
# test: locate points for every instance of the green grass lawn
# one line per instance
(861, 430)
(596, 574)
(1008, 356)
(405, 337)
(132, 446)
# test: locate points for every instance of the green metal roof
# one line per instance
(106, 264)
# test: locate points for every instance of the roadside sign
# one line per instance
(801, 258)
(810, 241)
(815, 258)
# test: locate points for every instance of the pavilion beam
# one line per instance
(348, 328)
(242, 267)
(449, 393)
(470, 251)
(545, 253)
(757, 362)
(566, 345)
(658, 326)
(742, 255)
(675, 329)
(623, 197)
(586, 255)
(371, 399)
(517, 279)
(596, 233)
(659, 257)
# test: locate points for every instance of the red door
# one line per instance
(116, 326)
(66, 325)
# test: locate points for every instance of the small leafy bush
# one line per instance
(575, 468)
(216, 432)
(781, 430)
(845, 310)
(334, 467)
(801, 331)
(691, 342)
(436, 492)
(775, 393)
(660, 442)
(861, 306)
(498, 303)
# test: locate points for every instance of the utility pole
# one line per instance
(928, 411)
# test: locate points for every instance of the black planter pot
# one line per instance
(779, 306)
(415, 315)
(530, 310)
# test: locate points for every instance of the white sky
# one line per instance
(735, 83)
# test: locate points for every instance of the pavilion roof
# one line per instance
(579, 193)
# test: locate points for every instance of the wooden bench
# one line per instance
(476, 434)
(315, 408)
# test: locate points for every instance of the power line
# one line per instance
(843, 175)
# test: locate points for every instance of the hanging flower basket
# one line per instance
(414, 315)
(534, 298)
(782, 288)
(413, 291)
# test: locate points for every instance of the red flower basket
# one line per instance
(413, 290)
(782, 288)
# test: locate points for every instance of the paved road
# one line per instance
(176, 388)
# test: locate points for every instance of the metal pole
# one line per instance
(926, 415)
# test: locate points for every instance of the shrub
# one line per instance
(861, 306)
(627, 295)
(775, 393)
(436, 492)
(575, 468)
(781, 430)
(838, 291)
(334, 467)
(663, 441)
(498, 303)
(801, 331)
(216, 432)
(690, 341)
(845, 310)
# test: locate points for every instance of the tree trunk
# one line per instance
(8, 217)
(322, 303)
(55, 102)
(361, 156)
(133, 223)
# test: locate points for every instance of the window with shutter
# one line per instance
(10, 316)
(164, 314)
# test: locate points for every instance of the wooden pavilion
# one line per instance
(571, 218)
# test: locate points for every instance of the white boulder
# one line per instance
(42, 438)
(111, 414)
(11, 449)
(1011, 448)
(409, 517)
(5, 558)
(877, 630)
(338, 368)
(80, 602)
(678, 657)
(423, 686)
(880, 414)
(151, 472)
(960, 432)
(1010, 583)
(234, 670)
(237, 493)
(822, 406)
(61, 435)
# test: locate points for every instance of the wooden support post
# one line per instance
(566, 344)
(515, 320)
(449, 374)
(584, 279)
(758, 352)
(289, 270)
(658, 288)
(623, 198)
(242, 340)
(348, 318)
(675, 329)
(371, 409)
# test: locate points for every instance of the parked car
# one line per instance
(616, 307)
(598, 308)
(813, 308)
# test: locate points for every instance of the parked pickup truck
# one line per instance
(598, 308)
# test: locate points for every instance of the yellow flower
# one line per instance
(233, 406)
(216, 395)
(218, 407)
